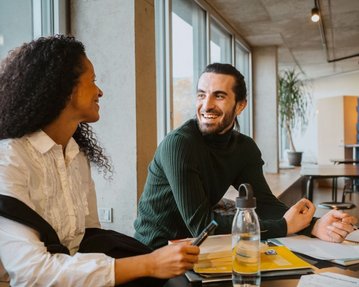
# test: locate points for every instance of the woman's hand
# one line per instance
(173, 260)
(166, 262)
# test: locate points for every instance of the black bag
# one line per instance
(95, 240)
(117, 245)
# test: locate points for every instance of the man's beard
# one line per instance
(211, 129)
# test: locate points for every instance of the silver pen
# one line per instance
(204, 234)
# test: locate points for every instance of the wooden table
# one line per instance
(181, 281)
(345, 161)
(313, 172)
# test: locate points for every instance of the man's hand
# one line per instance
(299, 215)
(334, 226)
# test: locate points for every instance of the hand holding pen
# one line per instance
(204, 234)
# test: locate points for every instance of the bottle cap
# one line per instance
(245, 198)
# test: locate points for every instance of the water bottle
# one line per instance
(246, 240)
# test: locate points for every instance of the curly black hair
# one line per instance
(36, 82)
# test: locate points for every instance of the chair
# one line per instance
(348, 189)
(336, 205)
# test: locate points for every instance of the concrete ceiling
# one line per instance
(301, 43)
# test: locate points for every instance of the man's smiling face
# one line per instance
(216, 103)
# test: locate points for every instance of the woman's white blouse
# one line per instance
(59, 187)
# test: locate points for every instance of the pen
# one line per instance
(204, 234)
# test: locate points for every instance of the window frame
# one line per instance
(164, 60)
(49, 17)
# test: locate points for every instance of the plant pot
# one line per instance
(295, 158)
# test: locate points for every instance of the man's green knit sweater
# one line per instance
(189, 175)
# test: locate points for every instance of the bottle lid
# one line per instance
(245, 198)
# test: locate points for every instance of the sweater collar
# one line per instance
(217, 140)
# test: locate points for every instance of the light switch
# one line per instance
(105, 214)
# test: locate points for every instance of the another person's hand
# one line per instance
(173, 260)
(299, 215)
(334, 226)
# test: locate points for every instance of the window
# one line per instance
(242, 64)
(220, 44)
(27, 20)
(18, 28)
(188, 57)
(188, 37)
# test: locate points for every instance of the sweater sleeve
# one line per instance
(178, 159)
(270, 209)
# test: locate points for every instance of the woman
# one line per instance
(48, 95)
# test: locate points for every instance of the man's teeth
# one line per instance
(209, 116)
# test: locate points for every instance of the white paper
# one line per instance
(320, 249)
(353, 236)
(328, 279)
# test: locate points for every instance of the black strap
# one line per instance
(118, 245)
(112, 243)
(16, 210)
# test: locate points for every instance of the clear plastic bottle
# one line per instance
(246, 240)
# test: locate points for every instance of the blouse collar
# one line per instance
(43, 143)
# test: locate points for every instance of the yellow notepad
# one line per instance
(284, 259)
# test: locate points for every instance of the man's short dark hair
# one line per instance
(239, 87)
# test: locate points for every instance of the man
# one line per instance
(195, 164)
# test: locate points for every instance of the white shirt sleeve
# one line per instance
(33, 169)
(29, 264)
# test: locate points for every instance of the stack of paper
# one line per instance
(353, 236)
(346, 253)
(215, 260)
(328, 279)
(216, 254)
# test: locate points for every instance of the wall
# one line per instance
(330, 140)
(119, 39)
(265, 128)
(343, 84)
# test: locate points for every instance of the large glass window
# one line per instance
(23, 20)
(242, 64)
(221, 40)
(188, 57)
(16, 19)
(188, 37)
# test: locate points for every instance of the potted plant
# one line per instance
(293, 101)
